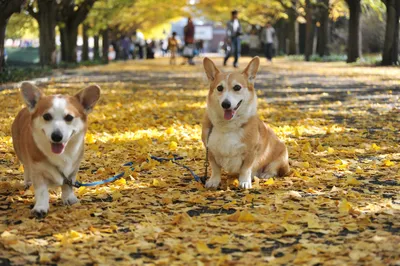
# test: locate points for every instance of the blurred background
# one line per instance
(61, 33)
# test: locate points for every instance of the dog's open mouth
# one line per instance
(229, 114)
(57, 148)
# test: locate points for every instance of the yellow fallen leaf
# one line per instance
(375, 147)
(173, 146)
(246, 217)
(330, 150)
(352, 181)
(222, 239)
(170, 131)
(159, 183)
(388, 163)
(181, 218)
(202, 248)
(269, 182)
(313, 221)
(344, 207)
(116, 195)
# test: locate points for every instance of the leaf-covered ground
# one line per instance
(339, 206)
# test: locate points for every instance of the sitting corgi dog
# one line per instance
(237, 140)
(48, 138)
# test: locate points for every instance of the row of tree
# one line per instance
(106, 18)
(111, 17)
(314, 13)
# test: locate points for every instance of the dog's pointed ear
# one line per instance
(88, 97)
(251, 70)
(31, 95)
(210, 68)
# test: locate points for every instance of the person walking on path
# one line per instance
(233, 32)
(173, 48)
(188, 50)
(268, 37)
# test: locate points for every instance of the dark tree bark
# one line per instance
(96, 48)
(3, 26)
(309, 31)
(46, 18)
(7, 8)
(85, 45)
(390, 55)
(323, 31)
(280, 32)
(292, 31)
(354, 39)
(69, 36)
(70, 16)
(106, 44)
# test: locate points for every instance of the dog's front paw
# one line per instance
(27, 185)
(245, 184)
(70, 200)
(213, 183)
(40, 211)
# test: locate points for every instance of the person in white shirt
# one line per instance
(233, 32)
(268, 37)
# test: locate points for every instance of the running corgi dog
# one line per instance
(237, 140)
(48, 138)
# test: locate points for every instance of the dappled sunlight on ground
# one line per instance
(340, 204)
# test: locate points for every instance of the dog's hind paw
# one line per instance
(70, 200)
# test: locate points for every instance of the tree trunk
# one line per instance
(106, 44)
(7, 8)
(47, 32)
(69, 36)
(390, 55)
(96, 48)
(85, 45)
(354, 39)
(291, 31)
(3, 25)
(323, 31)
(309, 31)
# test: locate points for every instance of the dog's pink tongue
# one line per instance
(228, 114)
(57, 148)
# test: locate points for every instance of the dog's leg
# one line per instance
(245, 178)
(27, 179)
(42, 198)
(215, 178)
(245, 171)
(67, 193)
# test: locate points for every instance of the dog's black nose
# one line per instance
(56, 136)
(226, 104)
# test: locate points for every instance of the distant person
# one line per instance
(188, 50)
(267, 38)
(173, 48)
(233, 32)
(126, 46)
(140, 43)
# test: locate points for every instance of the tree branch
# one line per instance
(31, 12)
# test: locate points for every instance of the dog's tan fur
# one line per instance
(264, 153)
(41, 169)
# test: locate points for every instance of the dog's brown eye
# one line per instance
(237, 87)
(68, 118)
(220, 88)
(47, 117)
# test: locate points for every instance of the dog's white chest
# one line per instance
(228, 149)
